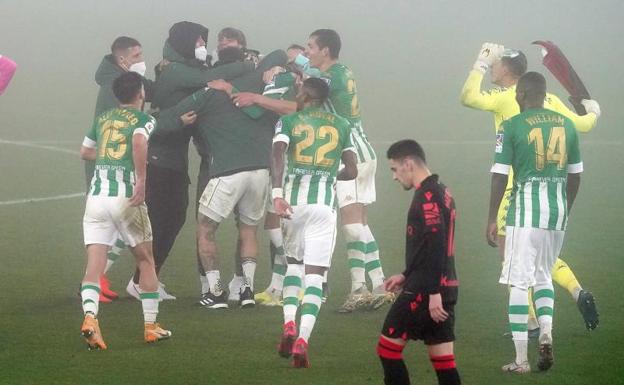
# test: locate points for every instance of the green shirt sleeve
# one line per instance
(169, 118)
(504, 144)
(282, 130)
(91, 133)
(345, 136)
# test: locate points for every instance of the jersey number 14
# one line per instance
(555, 150)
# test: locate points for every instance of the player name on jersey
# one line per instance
(542, 147)
(316, 141)
(111, 136)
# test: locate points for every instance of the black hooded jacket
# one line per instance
(183, 37)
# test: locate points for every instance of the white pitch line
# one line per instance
(40, 146)
(34, 200)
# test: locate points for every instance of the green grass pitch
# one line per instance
(43, 262)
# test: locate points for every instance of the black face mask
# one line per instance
(230, 55)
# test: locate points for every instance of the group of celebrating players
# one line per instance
(232, 110)
(281, 135)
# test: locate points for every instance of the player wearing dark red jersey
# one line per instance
(424, 308)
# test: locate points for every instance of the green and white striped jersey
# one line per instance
(316, 140)
(542, 147)
(343, 101)
(111, 136)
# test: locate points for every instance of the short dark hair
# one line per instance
(127, 86)
(516, 62)
(234, 34)
(406, 148)
(317, 89)
(533, 84)
(330, 39)
(295, 46)
(124, 42)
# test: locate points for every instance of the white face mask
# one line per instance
(139, 68)
(201, 53)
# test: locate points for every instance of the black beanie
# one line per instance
(183, 37)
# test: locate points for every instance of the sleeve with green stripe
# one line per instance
(345, 136)
(283, 130)
(90, 139)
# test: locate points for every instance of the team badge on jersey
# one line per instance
(499, 143)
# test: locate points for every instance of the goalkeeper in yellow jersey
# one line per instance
(507, 66)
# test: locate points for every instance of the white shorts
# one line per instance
(108, 218)
(310, 234)
(361, 189)
(246, 192)
(530, 255)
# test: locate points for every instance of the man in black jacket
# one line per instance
(167, 170)
(424, 309)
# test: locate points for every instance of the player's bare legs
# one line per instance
(310, 307)
(273, 294)
(148, 284)
(352, 217)
(390, 352)
(363, 255)
(215, 298)
(90, 293)
(237, 281)
(248, 252)
(443, 362)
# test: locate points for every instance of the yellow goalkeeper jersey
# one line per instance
(502, 102)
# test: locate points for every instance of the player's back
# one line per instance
(317, 139)
(114, 166)
(343, 99)
(544, 144)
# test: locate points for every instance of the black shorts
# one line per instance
(409, 318)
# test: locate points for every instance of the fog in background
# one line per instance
(410, 57)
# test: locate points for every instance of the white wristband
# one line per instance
(277, 192)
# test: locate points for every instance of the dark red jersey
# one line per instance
(430, 242)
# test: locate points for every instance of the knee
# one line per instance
(389, 349)
(353, 230)
(443, 362)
